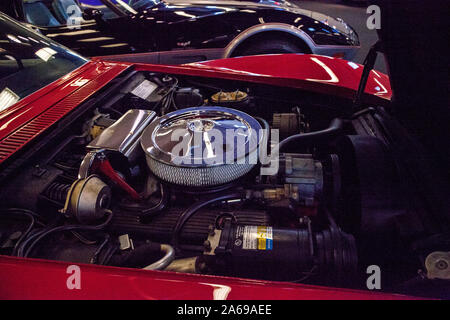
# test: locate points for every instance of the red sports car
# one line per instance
(265, 177)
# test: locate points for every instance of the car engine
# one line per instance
(176, 173)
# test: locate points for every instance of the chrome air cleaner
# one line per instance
(202, 146)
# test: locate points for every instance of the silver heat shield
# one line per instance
(123, 136)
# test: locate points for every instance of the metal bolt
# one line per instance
(207, 245)
(441, 264)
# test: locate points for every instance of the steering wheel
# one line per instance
(6, 53)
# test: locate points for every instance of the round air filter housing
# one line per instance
(202, 146)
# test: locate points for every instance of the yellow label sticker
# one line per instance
(257, 238)
(261, 244)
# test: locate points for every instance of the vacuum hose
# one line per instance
(335, 128)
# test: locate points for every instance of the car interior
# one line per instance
(51, 13)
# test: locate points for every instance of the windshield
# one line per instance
(136, 4)
(29, 61)
(125, 6)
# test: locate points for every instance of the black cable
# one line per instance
(29, 214)
(161, 204)
(163, 99)
(188, 213)
(34, 214)
(83, 239)
(147, 212)
(99, 249)
(109, 254)
(39, 236)
(170, 101)
(32, 235)
(27, 231)
(335, 129)
(265, 143)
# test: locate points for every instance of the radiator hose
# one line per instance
(334, 129)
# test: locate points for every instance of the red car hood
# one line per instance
(25, 120)
(31, 116)
(43, 279)
(315, 73)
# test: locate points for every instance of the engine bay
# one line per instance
(209, 176)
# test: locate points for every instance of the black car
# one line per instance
(223, 28)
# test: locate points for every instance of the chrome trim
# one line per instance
(158, 144)
(161, 264)
(265, 27)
